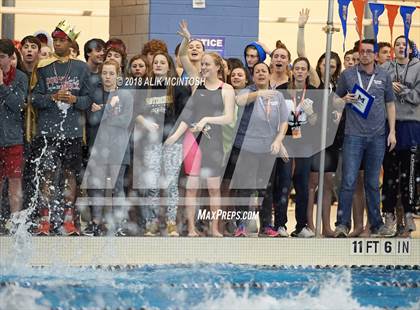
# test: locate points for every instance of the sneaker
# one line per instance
(92, 229)
(43, 228)
(172, 229)
(269, 232)
(121, 232)
(282, 232)
(123, 229)
(240, 231)
(44, 225)
(102, 229)
(390, 220)
(305, 232)
(383, 231)
(152, 228)
(410, 224)
(69, 229)
(401, 232)
(341, 231)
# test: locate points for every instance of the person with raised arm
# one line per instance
(301, 50)
(190, 54)
(335, 127)
(211, 106)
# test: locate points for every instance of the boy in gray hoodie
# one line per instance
(400, 165)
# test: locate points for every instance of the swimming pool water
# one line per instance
(204, 286)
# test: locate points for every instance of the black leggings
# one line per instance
(400, 178)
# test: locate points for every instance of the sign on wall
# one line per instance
(213, 43)
(199, 4)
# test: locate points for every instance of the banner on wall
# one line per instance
(213, 43)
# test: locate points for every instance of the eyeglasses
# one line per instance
(367, 52)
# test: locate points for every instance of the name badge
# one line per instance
(364, 101)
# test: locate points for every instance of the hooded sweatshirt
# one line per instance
(408, 101)
(261, 54)
(12, 101)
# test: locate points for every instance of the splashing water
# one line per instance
(219, 286)
(64, 107)
(21, 221)
(335, 290)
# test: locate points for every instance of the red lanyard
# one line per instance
(296, 108)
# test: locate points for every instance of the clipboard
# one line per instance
(365, 101)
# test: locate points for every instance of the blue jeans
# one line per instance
(354, 149)
(283, 181)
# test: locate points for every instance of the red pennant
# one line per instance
(359, 8)
(392, 13)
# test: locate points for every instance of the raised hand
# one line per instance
(303, 17)
(183, 30)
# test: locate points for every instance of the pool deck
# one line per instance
(122, 251)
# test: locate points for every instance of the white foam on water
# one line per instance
(330, 291)
(334, 292)
(414, 306)
(17, 298)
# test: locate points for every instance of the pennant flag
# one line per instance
(359, 8)
(377, 9)
(415, 51)
(407, 14)
(392, 13)
(343, 7)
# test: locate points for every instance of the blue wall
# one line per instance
(236, 20)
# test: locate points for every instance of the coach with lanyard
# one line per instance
(367, 91)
